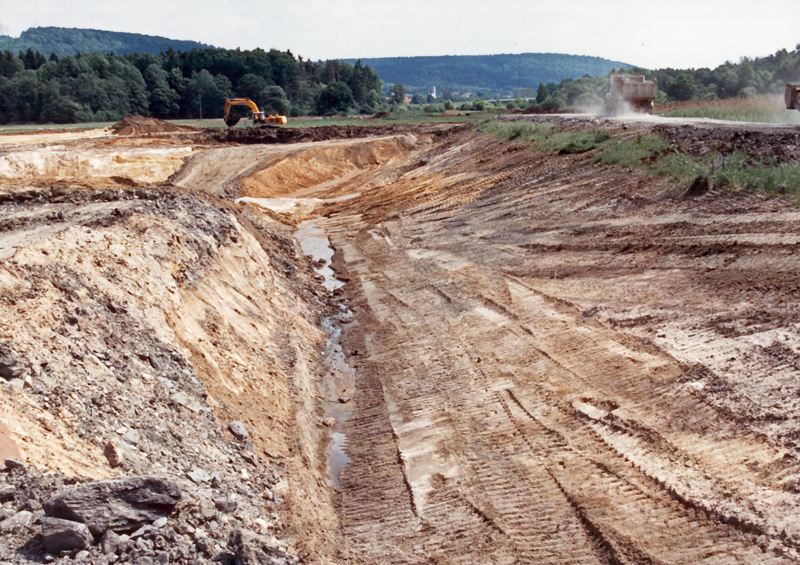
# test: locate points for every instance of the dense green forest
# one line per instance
(71, 41)
(748, 77)
(494, 74)
(95, 87)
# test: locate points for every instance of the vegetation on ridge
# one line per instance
(71, 41)
(93, 87)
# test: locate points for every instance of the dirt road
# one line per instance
(555, 361)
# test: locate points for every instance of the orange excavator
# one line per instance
(259, 119)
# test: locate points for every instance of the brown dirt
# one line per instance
(138, 125)
(282, 135)
(556, 361)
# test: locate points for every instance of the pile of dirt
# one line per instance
(137, 125)
(451, 113)
(380, 115)
(761, 143)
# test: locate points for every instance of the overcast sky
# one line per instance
(667, 33)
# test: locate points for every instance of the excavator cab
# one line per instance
(231, 117)
(792, 96)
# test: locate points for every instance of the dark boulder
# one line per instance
(116, 504)
(64, 535)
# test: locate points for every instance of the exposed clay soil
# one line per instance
(555, 361)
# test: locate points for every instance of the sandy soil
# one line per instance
(554, 361)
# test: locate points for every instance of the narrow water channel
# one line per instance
(340, 380)
(339, 383)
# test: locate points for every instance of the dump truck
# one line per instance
(232, 118)
(792, 96)
(630, 93)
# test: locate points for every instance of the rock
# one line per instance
(225, 504)
(64, 535)
(160, 523)
(16, 385)
(250, 457)
(7, 492)
(198, 476)
(32, 504)
(114, 453)
(239, 430)
(249, 548)
(82, 556)
(17, 522)
(10, 368)
(144, 530)
(14, 465)
(109, 543)
(125, 543)
(132, 437)
(186, 401)
(116, 504)
(154, 362)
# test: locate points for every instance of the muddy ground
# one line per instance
(522, 357)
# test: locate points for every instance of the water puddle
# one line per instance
(304, 205)
(339, 384)
(316, 245)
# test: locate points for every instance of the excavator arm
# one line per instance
(232, 119)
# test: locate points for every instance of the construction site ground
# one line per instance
(446, 347)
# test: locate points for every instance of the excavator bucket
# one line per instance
(232, 120)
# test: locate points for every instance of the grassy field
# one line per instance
(36, 128)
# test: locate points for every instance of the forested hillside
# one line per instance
(96, 87)
(501, 74)
(748, 77)
(71, 41)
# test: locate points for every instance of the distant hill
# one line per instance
(69, 41)
(498, 73)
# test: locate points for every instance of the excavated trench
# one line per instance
(546, 370)
(453, 348)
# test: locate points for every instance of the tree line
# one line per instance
(748, 77)
(92, 87)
